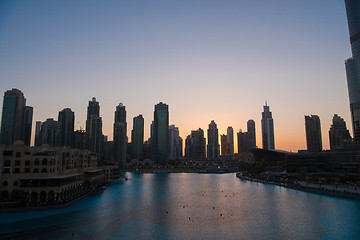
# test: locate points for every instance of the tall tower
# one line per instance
(67, 118)
(16, 118)
(196, 145)
(313, 133)
(137, 138)
(120, 136)
(93, 111)
(251, 135)
(213, 147)
(50, 133)
(353, 64)
(267, 127)
(161, 133)
(230, 140)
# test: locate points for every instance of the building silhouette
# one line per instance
(313, 133)
(224, 145)
(353, 65)
(230, 140)
(120, 136)
(213, 147)
(175, 143)
(251, 134)
(93, 111)
(267, 127)
(195, 145)
(16, 120)
(339, 135)
(50, 133)
(67, 119)
(137, 138)
(160, 138)
(243, 142)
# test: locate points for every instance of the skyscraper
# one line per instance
(161, 134)
(224, 145)
(353, 64)
(195, 144)
(230, 140)
(95, 135)
(50, 133)
(120, 136)
(37, 133)
(137, 138)
(175, 143)
(313, 133)
(243, 142)
(67, 119)
(251, 135)
(93, 111)
(213, 147)
(267, 127)
(339, 135)
(16, 118)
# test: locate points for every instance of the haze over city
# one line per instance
(208, 60)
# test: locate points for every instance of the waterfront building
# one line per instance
(230, 140)
(16, 120)
(46, 175)
(120, 136)
(313, 133)
(213, 147)
(137, 138)
(93, 111)
(160, 138)
(267, 127)
(67, 119)
(50, 133)
(339, 135)
(353, 65)
(251, 135)
(196, 144)
(175, 143)
(224, 145)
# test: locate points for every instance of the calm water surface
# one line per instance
(191, 206)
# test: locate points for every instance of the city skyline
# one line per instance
(191, 54)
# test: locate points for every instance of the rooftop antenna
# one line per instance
(265, 102)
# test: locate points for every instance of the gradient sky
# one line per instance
(207, 59)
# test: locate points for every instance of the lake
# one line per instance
(191, 206)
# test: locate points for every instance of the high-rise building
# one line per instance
(213, 147)
(353, 65)
(93, 111)
(16, 118)
(243, 142)
(230, 140)
(37, 133)
(27, 124)
(161, 133)
(251, 135)
(313, 133)
(175, 143)
(267, 127)
(79, 139)
(224, 145)
(339, 135)
(137, 138)
(50, 133)
(120, 136)
(196, 144)
(67, 119)
(95, 135)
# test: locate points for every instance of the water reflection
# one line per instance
(190, 206)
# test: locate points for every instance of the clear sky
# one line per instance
(207, 59)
